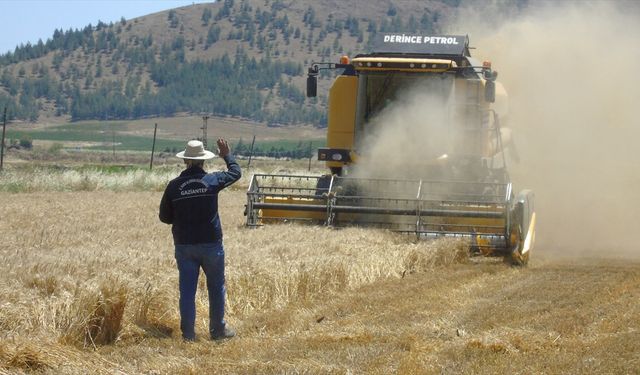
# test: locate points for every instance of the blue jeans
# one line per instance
(190, 258)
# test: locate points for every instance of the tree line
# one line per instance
(222, 86)
(303, 150)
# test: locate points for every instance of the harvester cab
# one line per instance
(444, 111)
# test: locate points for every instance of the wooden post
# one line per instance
(153, 147)
(310, 156)
(204, 130)
(251, 152)
(113, 140)
(4, 128)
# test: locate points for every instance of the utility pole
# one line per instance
(204, 130)
(4, 128)
(251, 152)
(153, 147)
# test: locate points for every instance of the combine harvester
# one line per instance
(462, 192)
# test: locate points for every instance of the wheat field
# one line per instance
(89, 285)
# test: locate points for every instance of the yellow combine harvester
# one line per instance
(457, 184)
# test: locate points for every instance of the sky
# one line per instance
(23, 21)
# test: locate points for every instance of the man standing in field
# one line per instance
(190, 204)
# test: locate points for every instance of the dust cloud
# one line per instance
(412, 127)
(572, 73)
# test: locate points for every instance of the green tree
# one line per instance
(213, 35)
(173, 19)
(240, 148)
(26, 142)
(392, 11)
(206, 16)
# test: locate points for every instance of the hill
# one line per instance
(243, 58)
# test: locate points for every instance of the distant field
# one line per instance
(137, 135)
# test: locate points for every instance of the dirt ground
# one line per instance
(303, 300)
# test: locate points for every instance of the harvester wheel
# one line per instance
(519, 260)
(516, 258)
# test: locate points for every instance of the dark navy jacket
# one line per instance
(190, 203)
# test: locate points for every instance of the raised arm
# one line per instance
(233, 172)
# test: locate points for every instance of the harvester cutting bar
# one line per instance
(479, 243)
(378, 210)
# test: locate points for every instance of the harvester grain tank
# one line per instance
(458, 188)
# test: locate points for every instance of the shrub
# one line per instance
(26, 142)
(55, 148)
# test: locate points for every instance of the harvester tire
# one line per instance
(516, 258)
(519, 260)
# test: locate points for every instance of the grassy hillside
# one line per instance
(245, 58)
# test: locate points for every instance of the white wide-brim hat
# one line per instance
(195, 151)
